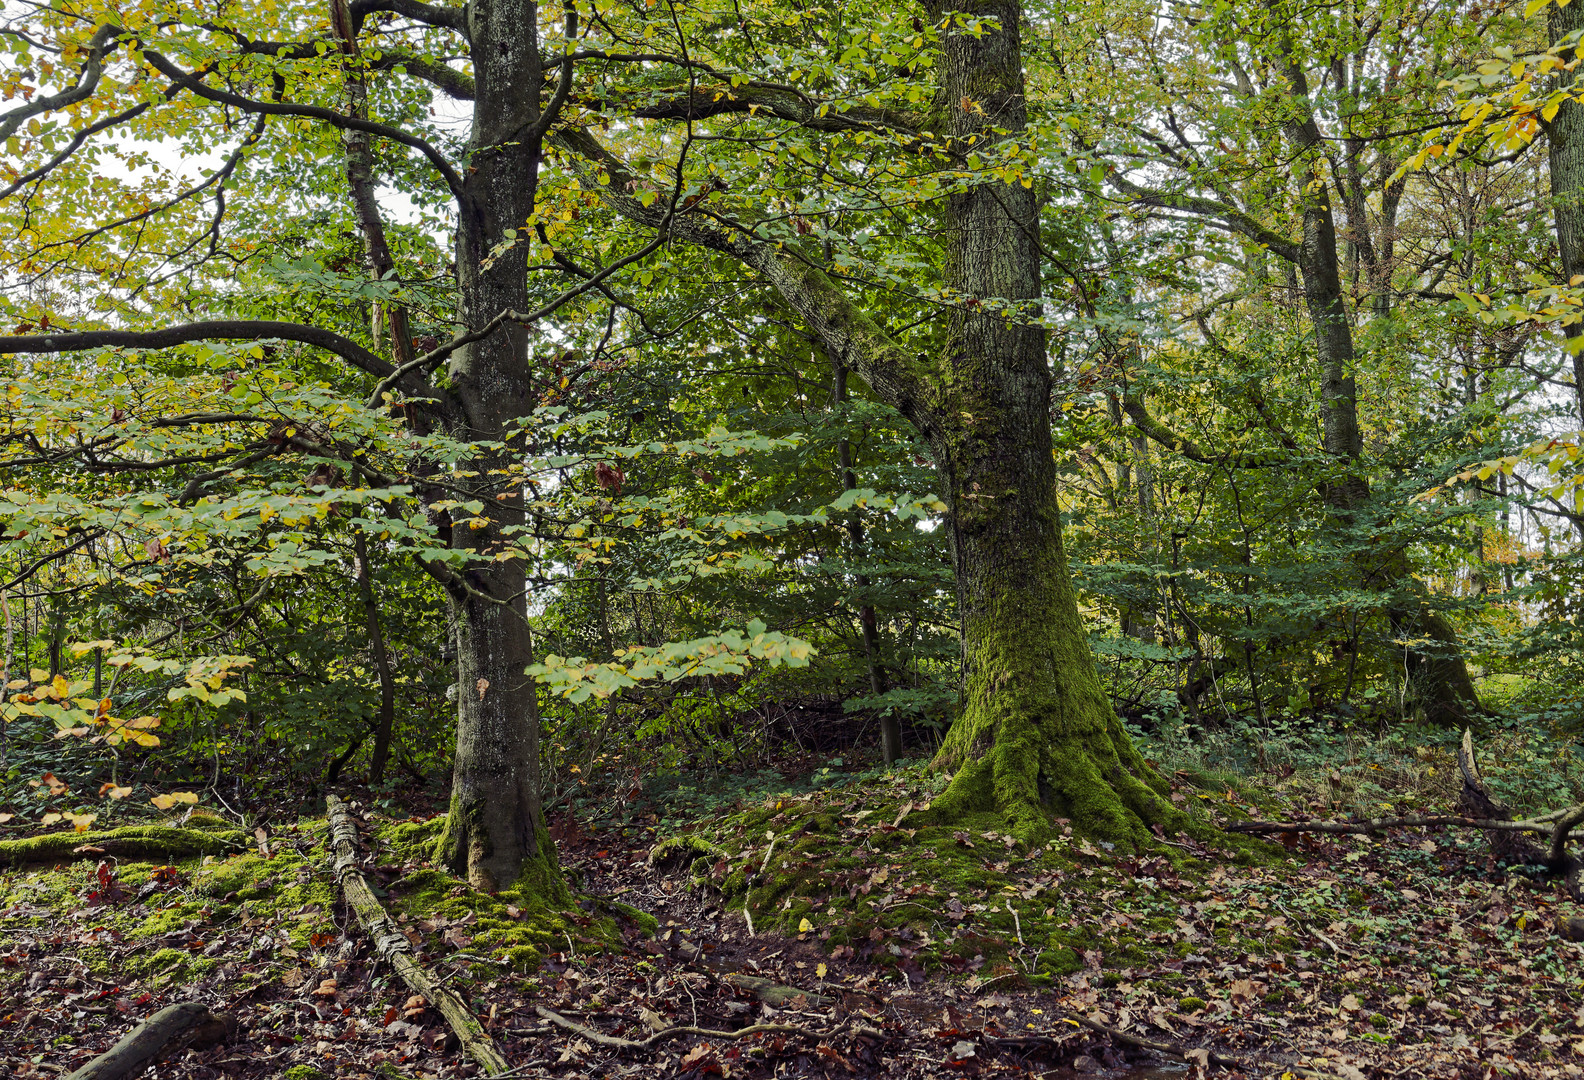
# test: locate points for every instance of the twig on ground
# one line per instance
(618, 1043)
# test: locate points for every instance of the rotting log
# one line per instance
(173, 1028)
(133, 842)
(393, 947)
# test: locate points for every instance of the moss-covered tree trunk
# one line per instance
(495, 833)
(1037, 737)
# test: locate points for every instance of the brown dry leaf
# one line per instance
(293, 979)
(483, 685)
(1351, 1003)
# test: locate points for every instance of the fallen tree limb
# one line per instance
(392, 946)
(172, 1028)
(134, 842)
(1539, 826)
(772, 993)
(618, 1043)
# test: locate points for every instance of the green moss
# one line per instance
(303, 1072)
(170, 966)
(687, 848)
(136, 841)
(413, 841)
(1190, 1004)
(1379, 1021)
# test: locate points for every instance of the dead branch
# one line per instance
(172, 1028)
(1539, 826)
(664, 1034)
(392, 946)
(136, 841)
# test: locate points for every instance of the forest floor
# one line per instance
(943, 953)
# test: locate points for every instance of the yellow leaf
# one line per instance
(820, 970)
(804, 926)
(49, 819)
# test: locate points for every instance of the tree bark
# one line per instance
(1037, 735)
(495, 833)
(1566, 159)
(387, 681)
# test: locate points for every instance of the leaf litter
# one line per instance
(1398, 957)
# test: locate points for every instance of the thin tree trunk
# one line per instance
(890, 724)
(376, 637)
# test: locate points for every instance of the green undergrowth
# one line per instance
(163, 913)
(845, 869)
(1320, 768)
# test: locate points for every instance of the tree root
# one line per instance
(134, 842)
(392, 946)
(172, 1028)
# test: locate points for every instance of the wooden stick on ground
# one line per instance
(619, 1043)
(392, 947)
(170, 1029)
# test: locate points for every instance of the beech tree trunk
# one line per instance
(495, 833)
(1037, 736)
(1037, 739)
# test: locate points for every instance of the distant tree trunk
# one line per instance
(386, 721)
(869, 627)
(1432, 651)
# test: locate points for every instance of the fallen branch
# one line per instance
(772, 993)
(392, 946)
(172, 1028)
(1541, 826)
(618, 1043)
(134, 842)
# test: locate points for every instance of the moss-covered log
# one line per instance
(392, 946)
(172, 1028)
(133, 842)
